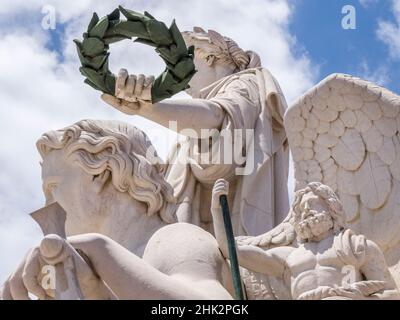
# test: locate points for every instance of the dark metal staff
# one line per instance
(237, 282)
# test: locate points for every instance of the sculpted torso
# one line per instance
(328, 261)
(313, 265)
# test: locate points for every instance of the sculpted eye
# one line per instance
(50, 184)
(52, 187)
(48, 192)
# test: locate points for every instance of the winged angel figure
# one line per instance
(344, 133)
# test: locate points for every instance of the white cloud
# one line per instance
(367, 3)
(39, 93)
(380, 75)
(389, 32)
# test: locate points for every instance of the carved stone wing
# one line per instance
(344, 132)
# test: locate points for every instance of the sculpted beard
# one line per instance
(314, 225)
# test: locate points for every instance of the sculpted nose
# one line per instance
(306, 210)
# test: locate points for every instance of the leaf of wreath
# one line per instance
(94, 53)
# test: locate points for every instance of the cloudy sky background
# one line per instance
(300, 41)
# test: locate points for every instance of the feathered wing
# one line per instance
(345, 133)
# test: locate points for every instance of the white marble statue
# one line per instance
(98, 172)
(230, 91)
(145, 227)
(345, 133)
(328, 261)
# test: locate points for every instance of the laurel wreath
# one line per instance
(94, 53)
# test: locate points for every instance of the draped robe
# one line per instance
(258, 200)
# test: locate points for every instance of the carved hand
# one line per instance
(221, 187)
(31, 272)
(350, 292)
(131, 91)
(282, 235)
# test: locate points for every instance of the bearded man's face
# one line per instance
(314, 219)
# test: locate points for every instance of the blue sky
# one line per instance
(317, 27)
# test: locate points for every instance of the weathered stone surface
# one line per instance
(349, 152)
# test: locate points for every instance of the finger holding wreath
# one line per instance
(128, 92)
(134, 88)
(139, 85)
(146, 91)
(120, 83)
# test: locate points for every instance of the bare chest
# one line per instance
(311, 258)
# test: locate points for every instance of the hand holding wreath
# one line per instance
(93, 54)
(131, 92)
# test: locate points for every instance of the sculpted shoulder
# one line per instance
(246, 80)
(242, 85)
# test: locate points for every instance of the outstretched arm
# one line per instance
(271, 262)
(127, 275)
(133, 96)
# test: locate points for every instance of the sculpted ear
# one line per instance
(210, 60)
(100, 180)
